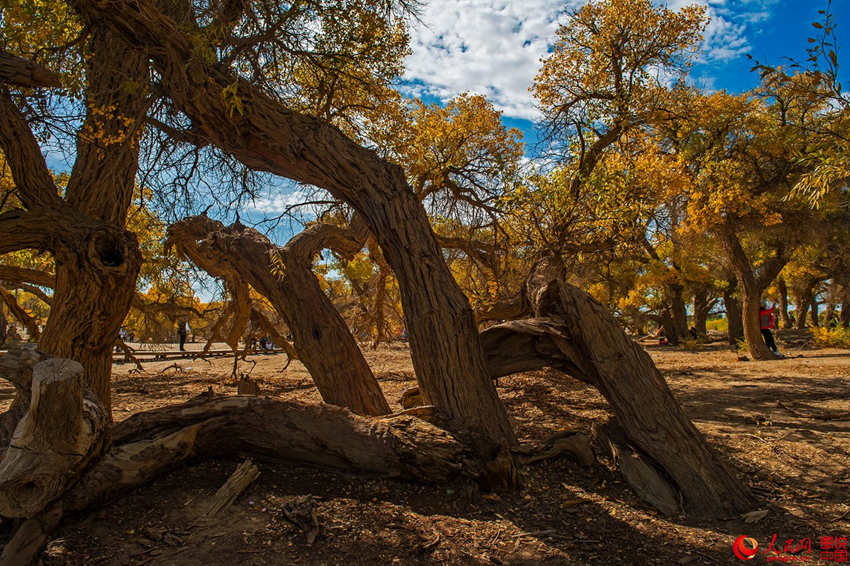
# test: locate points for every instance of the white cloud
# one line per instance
(278, 203)
(494, 47)
(491, 47)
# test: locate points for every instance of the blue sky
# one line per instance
(493, 47)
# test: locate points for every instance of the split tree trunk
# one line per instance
(266, 136)
(575, 334)
(322, 340)
(56, 438)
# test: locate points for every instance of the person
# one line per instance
(767, 321)
(693, 332)
(182, 331)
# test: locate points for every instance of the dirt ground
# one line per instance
(798, 466)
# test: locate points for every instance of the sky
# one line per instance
(494, 47)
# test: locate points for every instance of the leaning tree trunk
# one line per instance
(576, 334)
(321, 338)
(267, 136)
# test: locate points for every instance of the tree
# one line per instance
(97, 260)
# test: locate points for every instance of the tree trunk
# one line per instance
(802, 305)
(751, 300)
(815, 315)
(95, 284)
(380, 297)
(266, 136)
(321, 338)
(678, 311)
(784, 319)
(733, 313)
(53, 442)
(844, 318)
(4, 326)
(97, 261)
(269, 429)
(575, 334)
(701, 307)
(752, 287)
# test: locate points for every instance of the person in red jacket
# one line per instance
(767, 321)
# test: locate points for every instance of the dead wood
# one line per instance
(644, 476)
(239, 480)
(572, 442)
(149, 443)
(58, 436)
(30, 538)
(574, 333)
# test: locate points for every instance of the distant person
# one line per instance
(182, 330)
(693, 332)
(662, 338)
(767, 322)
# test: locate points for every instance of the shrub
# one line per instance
(831, 337)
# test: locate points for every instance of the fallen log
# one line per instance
(267, 429)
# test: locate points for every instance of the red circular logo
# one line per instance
(745, 547)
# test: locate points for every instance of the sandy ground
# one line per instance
(799, 467)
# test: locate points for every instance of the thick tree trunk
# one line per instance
(96, 259)
(95, 284)
(815, 314)
(577, 335)
(784, 319)
(321, 338)
(733, 314)
(269, 429)
(59, 434)
(4, 326)
(802, 304)
(701, 308)
(751, 300)
(678, 311)
(265, 136)
(751, 287)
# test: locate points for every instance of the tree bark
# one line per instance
(701, 308)
(815, 314)
(265, 136)
(321, 338)
(575, 334)
(678, 311)
(269, 429)
(751, 286)
(802, 304)
(784, 319)
(97, 261)
(733, 313)
(53, 442)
